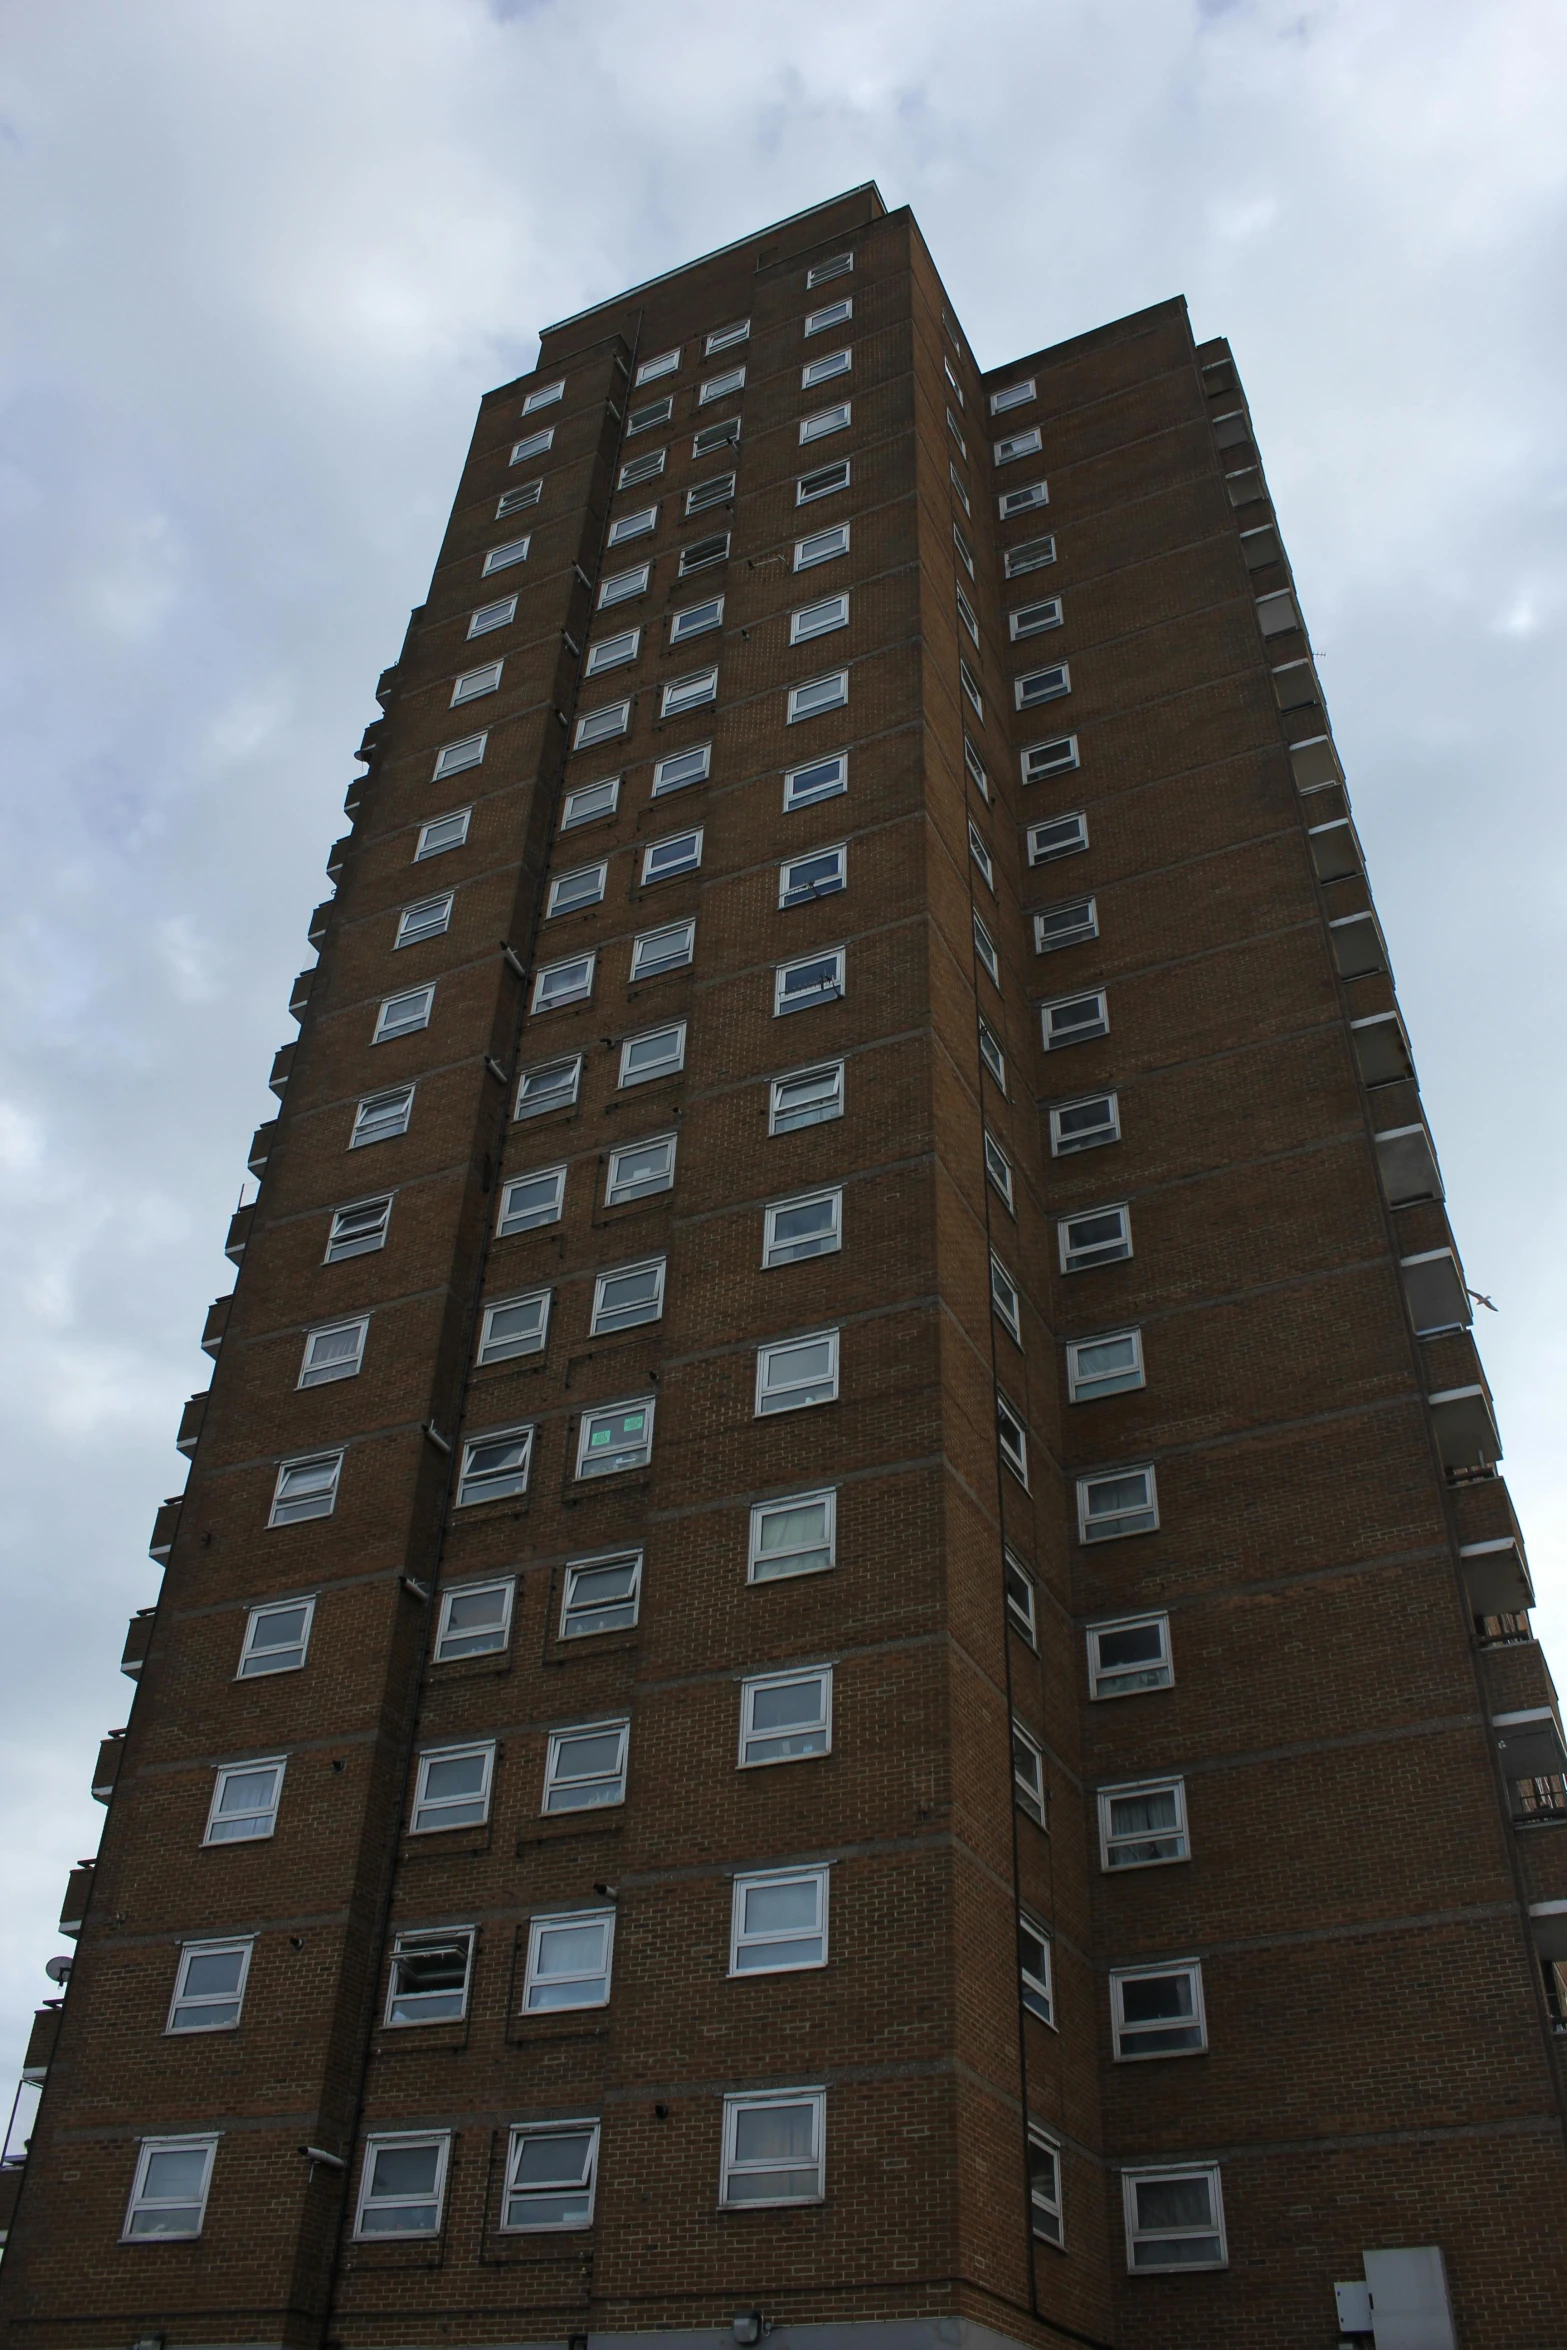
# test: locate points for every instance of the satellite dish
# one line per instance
(58, 1970)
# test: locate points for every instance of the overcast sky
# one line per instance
(262, 257)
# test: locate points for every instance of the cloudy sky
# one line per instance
(261, 257)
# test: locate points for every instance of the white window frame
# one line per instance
(725, 434)
(965, 552)
(826, 421)
(565, 1098)
(557, 985)
(447, 1650)
(405, 1945)
(720, 387)
(1013, 445)
(1022, 1596)
(1029, 555)
(592, 877)
(826, 368)
(1086, 927)
(572, 811)
(507, 1350)
(636, 470)
(650, 413)
(557, 1785)
(489, 617)
(818, 1726)
(436, 920)
(544, 396)
(441, 2140)
(617, 1192)
(1006, 1300)
(806, 558)
(1012, 1438)
(986, 951)
(1140, 2239)
(978, 773)
(819, 619)
(621, 586)
(1023, 500)
(456, 758)
(616, 1409)
(833, 772)
(572, 1606)
(785, 1004)
(696, 619)
(613, 652)
(1071, 843)
(830, 314)
(662, 363)
(1063, 1146)
(815, 696)
(526, 493)
(670, 1066)
(404, 1014)
(430, 843)
(1045, 2210)
(267, 1812)
(474, 684)
(1026, 620)
(836, 265)
(250, 1668)
(668, 772)
(765, 1407)
(1148, 1508)
(1080, 1031)
(834, 1098)
(970, 684)
(959, 487)
(1108, 1681)
(320, 1499)
(635, 525)
(510, 551)
(1075, 1259)
(221, 1946)
(1028, 1773)
(645, 965)
(998, 1167)
(782, 1505)
(1083, 1387)
(967, 614)
(598, 1981)
(791, 893)
(598, 1327)
(731, 2167)
(1110, 1842)
(1013, 395)
(703, 496)
(740, 1939)
(823, 481)
(586, 2183)
(493, 1487)
(832, 1239)
(1036, 687)
(141, 2203)
(955, 428)
(602, 725)
(979, 850)
(533, 444)
(1124, 2036)
(724, 338)
(696, 692)
(425, 1813)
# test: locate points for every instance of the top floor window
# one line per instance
(831, 314)
(724, 338)
(544, 396)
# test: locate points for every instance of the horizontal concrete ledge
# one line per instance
(913, 2333)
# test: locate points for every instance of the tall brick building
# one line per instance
(844, 1652)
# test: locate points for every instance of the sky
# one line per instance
(259, 260)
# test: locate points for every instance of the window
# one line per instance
(545, 397)
(492, 616)
(719, 387)
(429, 1977)
(430, 918)
(797, 1535)
(825, 421)
(638, 1169)
(1065, 925)
(536, 444)
(1174, 2218)
(815, 979)
(723, 435)
(1028, 1774)
(662, 950)
(647, 467)
(794, 1372)
(679, 852)
(1034, 619)
(306, 1489)
(401, 1015)
(632, 526)
(1042, 760)
(276, 1638)
(568, 1961)
(1031, 555)
(514, 1326)
(359, 1230)
(621, 586)
(821, 779)
(818, 874)
(723, 338)
(601, 1595)
(453, 758)
(831, 314)
(999, 1168)
(696, 620)
(972, 694)
(1097, 1236)
(1015, 395)
(773, 2148)
(658, 1052)
(956, 431)
(1129, 1655)
(965, 552)
(1022, 501)
(527, 493)
(1064, 836)
(209, 1986)
(245, 1798)
(820, 271)
(967, 615)
(985, 949)
(494, 1466)
(650, 413)
(475, 682)
(703, 552)
(976, 769)
(570, 892)
(823, 546)
(1081, 1125)
(665, 363)
(602, 725)
(590, 802)
(585, 1767)
(681, 768)
(979, 851)
(615, 1436)
(1020, 1596)
(805, 1097)
(555, 984)
(1143, 1825)
(778, 1922)
(1041, 685)
(1158, 2011)
(957, 388)
(959, 487)
(1074, 1019)
(169, 2193)
(550, 2174)
(1018, 444)
(785, 1717)
(1044, 2185)
(822, 482)
(612, 652)
(689, 693)
(1005, 1299)
(1012, 1437)
(443, 833)
(821, 371)
(1104, 1366)
(552, 1086)
(807, 1227)
(1115, 1502)
(452, 1789)
(818, 695)
(402, 2185)
(475, 1620)
(819, 620)
(624, 1299)
(716, 492)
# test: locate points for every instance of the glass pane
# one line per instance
(781, 1909)
(177, 2172)
(560, 2160)
(591, 1754)
(1174, 2203)
(1154, 1998)
(774, 2133)
(1132, 1815)
(436, 1966)
(1137, 1644)
(247, 1791)
(570, 1950)
(461, 1774)
(284, 1628)
(211, 1973)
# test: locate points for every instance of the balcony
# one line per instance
(1466, 1437)
(164, 1528)
(1245, 487)
(282, 1067)
(337, 856)
(239, 1232)
(300, 994)
(1277, 612)
(261, 1146)
(191, 1419)
(1315, 763)
(370, 740)
(73, 1909)
(385, 684)
(1359, 949)
(1335, 849)
(10, 2189)
(138, 1640)
(1261, 547)
(1529, 1746)
(1434, 1292)
(111, 1753)
(1496, 1577)
(41, 2040)
(216, 1323)
(1407, 1165)
(1296, 685)
(316, 930)
(1381, 1047)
